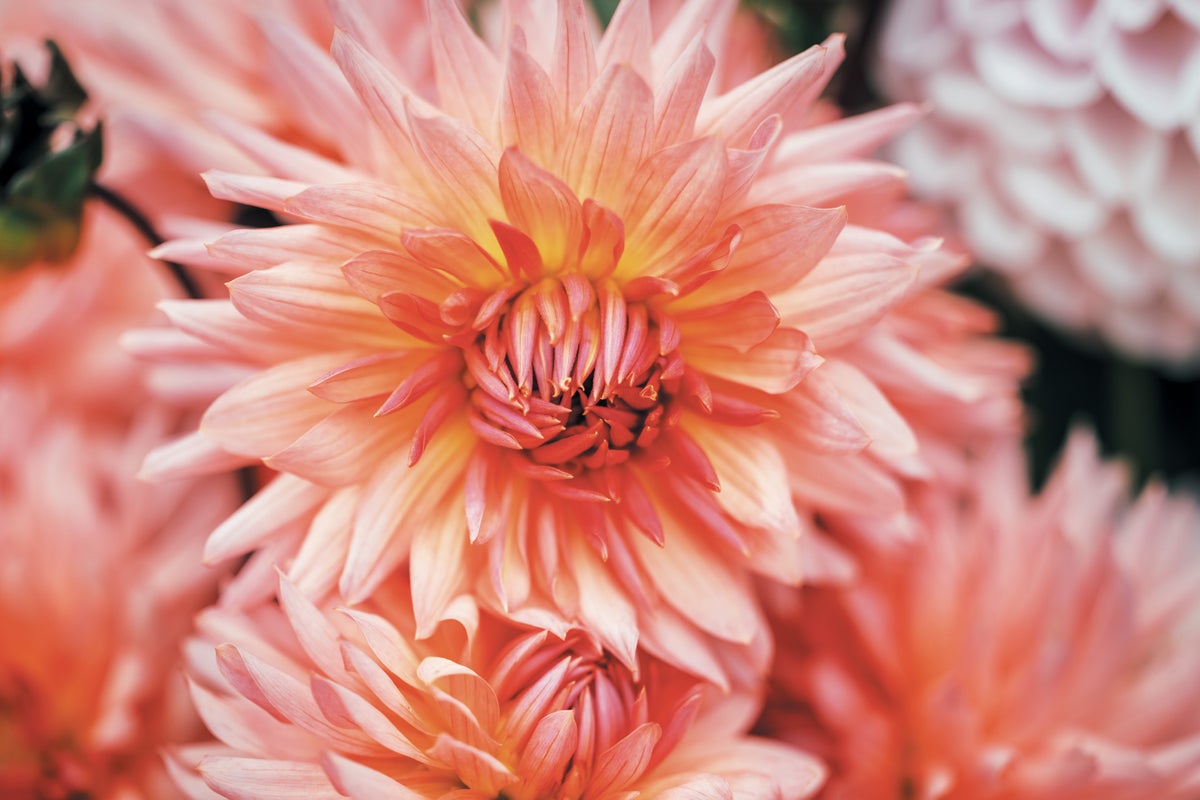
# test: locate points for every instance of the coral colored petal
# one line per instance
(779, 246)
(543, 207)
(603, 607)
(360, 782)
(627, 39)
(574, 61)
(624, 761)
(257, 779)
(269, 193)
(378, 210)
(343, 447)
(530, 115)
(192, 454)
(673, 199)
(610, 133)
(548, 752)
(317, 563)
(269, 411)
(677, 102)
(737, 113)
(740, 324)
(853, 137)
(702, 583)
(280, 503)
(311, 303)
(465, 68)
(774, 366)
(845, 296)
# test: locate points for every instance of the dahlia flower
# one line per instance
(98, 583)
(1063, 137)
(581, 345)
(320, 703)
(1044, 647)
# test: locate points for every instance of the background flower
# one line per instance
(1017, 647)
(100, 573)
(349, 703)
(1063, 137)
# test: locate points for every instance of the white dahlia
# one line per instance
(1065, 137)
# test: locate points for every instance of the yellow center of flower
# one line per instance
(573, 374)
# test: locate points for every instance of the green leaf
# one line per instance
(61, 179)
(62, 91)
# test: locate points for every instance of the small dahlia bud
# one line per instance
(47, 159)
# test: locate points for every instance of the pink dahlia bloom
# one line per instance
(1065, 137)
(590, 342)
(98, 583)
(1020, 647)
(327, 704)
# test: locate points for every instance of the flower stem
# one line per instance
(138, 220)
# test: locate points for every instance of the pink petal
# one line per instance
(624, 762)
(360, 782)
(673, 199)
(544, 208)
(844, 296)
(376, 209)
(252, 190)
(466, 70)
(306, 301)
(270, 410)
(279, 504)
(774, 366)
(628, 39)
(530, 116)
(187, 456)
(546, 755)
(610, 133)
(736, 114)
(257, 779)
(681, 93)
(574, 61)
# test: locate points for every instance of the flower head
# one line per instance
(1063, 139)
(571, 342)
(1034, 647)
(315, 700)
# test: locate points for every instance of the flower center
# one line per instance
(575, 375)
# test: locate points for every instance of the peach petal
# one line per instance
(255, 779)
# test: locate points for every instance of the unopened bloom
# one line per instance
(1032, 647)
(348, 703)
(582, 343)
(1064, 139)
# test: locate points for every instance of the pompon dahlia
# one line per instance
(579, 345)
(343, 703)
(1065, 137)
(1044, 647)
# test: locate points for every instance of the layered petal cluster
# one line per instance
(1032, 647)
(180, 86)
(589, 344)
(100, 574)
(1065, 138)
(348, 703)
